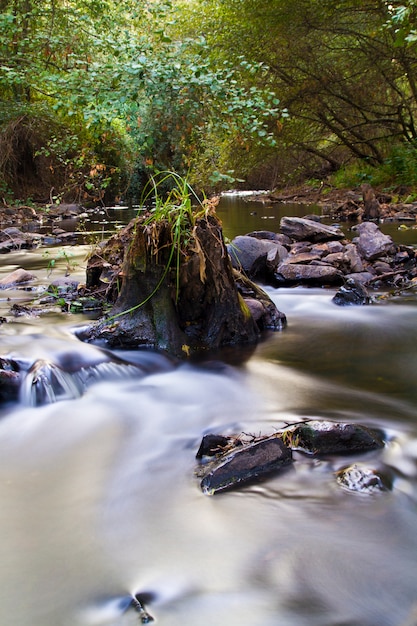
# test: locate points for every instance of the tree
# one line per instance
(123, 74)
(345, 71)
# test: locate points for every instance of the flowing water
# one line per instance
(98, 493)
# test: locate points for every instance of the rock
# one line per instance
(372, 243)
(337, 259)
(361, 479)
(213, 444)
(352, 293)
(261, 307)
(301, 229)
(14, 239)
(301, 257)
(247, 463)
(361, 277)
(64, 284)
(10, 379)
(381, 267)
(309, 274)
(271, 236)
(66, 210)
(371, 206)
(17, 277)
(353, 259)
(323, 437)
(256, 256)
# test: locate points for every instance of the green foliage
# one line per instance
(51, 158)
(125, 72)
(399, 168)
(345, 71)
(97, 94)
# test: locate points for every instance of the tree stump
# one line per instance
(182, 302)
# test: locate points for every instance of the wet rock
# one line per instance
(361, 479)
(302, 229)
(261, 307)
(308, 274)
(112, 608)
(372, 243)
(247, 463)
(323, 437)
(352, 293)
(14, 239)
(255, 256)
(18, 277)
(10, 379)
(212, 445)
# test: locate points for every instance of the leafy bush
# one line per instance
(48, 158)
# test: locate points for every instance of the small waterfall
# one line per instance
(46, 383)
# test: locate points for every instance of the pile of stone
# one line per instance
(230, 462)
(307, 252)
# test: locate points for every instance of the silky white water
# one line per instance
(99, 497)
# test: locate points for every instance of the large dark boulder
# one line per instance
(247, 463)
(323, 437)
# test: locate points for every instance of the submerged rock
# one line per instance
(323, 437)
(247, 463)
(361, 479)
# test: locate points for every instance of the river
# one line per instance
(100, 499)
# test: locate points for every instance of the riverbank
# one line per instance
(342, 204)
(349, 204)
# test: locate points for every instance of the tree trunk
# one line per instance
(181, 305)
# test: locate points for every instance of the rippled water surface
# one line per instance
(99, 497)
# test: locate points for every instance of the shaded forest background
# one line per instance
(95, 95)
